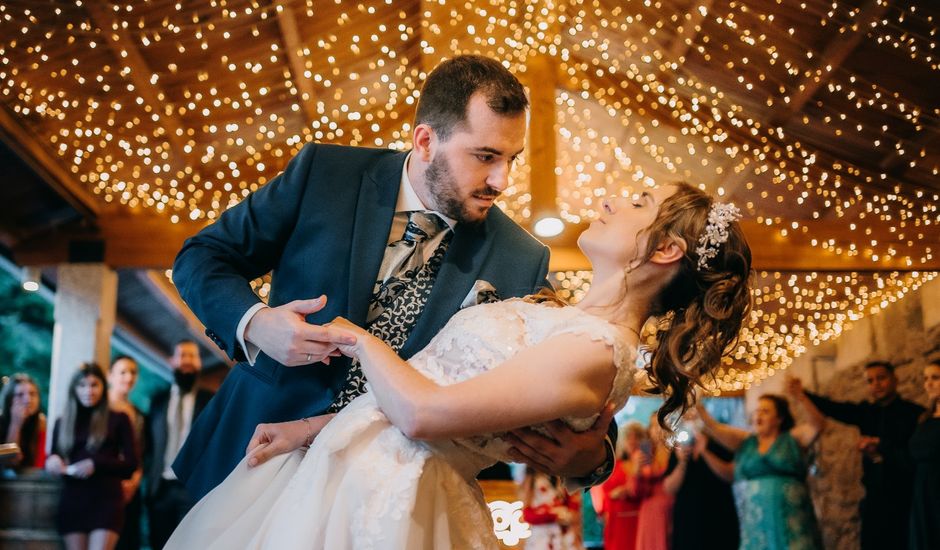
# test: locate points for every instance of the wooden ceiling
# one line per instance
(818, 118)
(807, 115)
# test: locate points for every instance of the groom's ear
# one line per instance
(424, 142)
(670, 250)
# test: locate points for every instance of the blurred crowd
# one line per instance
(701, 485)
(114, 461)
(710, 485)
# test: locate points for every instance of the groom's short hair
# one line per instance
(449, 87)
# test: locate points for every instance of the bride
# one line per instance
(396, 468)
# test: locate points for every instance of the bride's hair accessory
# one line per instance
(715, 234)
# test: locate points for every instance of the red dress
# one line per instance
(620, 515)
(654, 523)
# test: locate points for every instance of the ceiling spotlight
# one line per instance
(549, 227)
(31, 276)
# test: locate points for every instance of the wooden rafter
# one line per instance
(772, 251)
(28, 148)
(543, 188)
(831, 58)
(740, 135)
(121, 43)
(290, 36)
(688, 31)
(897, 165)
(145, 240)
(167, 294)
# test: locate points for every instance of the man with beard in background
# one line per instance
(172, 413)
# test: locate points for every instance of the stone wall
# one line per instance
(906, 333)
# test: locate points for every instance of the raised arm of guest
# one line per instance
(727, 436)
(805, 433)
(679, 463)
(843, 411)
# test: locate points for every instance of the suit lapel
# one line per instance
(463, 262)
(374, 212)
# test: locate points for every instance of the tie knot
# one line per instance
(423, 226)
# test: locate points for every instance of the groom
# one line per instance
(396, 242)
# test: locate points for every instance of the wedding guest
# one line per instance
(653, 521)
(93, 449)
(122, 377)
(172, 413)
(886, 423)
(621, 506)
(769, 473)
(703, 514)
(22, 422)
(550, 511)
(925, 450)
(592, 522)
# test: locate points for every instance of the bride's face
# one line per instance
(617, 238)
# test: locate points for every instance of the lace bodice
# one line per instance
(479, 338)
(363, 485)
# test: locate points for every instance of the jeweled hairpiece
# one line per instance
(720, 217)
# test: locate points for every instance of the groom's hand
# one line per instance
(566, 453)
(271, 440)
(284, 335)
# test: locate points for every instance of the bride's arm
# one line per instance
(564, 375)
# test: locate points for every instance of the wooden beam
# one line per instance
(772, 251)
(290, 36)
(130, 240)
(837, 50)
(123, 45)
(146, 240)
(540, 74)
(688, 31)
(167, 295)
(28, 148)
(897, 165)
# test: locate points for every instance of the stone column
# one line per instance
(85, 309)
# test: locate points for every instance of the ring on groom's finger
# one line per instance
(309, 357)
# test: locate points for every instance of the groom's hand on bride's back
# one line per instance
(566, 453)
(284, 335)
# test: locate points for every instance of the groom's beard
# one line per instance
(443, 188)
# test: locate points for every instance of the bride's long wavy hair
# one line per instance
(701, 310)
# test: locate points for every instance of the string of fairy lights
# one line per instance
(791, 312)
(186, 110)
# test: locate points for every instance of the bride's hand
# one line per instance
(361, 336)
(271, 440)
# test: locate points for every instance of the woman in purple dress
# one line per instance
(93, 449)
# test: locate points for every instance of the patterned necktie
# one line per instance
(403, 258)
(402, 289)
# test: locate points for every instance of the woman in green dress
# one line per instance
(769, 474)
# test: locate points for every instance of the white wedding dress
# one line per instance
(363, 485)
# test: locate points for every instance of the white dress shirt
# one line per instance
(179, 418)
